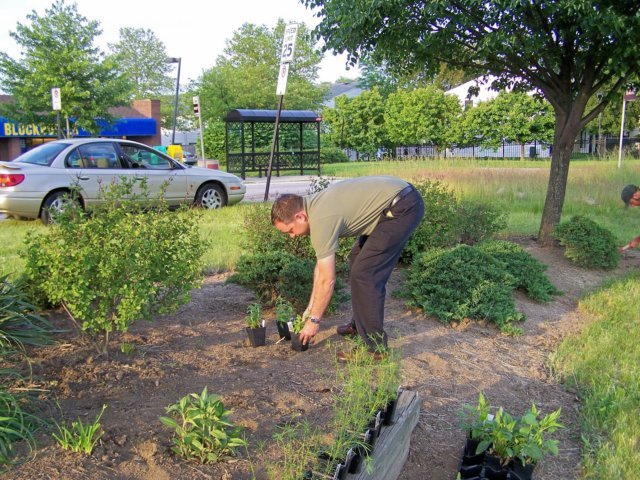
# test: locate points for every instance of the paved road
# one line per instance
(279, 185)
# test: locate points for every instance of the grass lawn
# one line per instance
(603, 363)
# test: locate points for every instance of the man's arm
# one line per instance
(632, 244)
(324, 279)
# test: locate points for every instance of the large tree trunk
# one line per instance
(566, 131)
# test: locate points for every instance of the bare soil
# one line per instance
(204, 344)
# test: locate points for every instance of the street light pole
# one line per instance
(177, 60)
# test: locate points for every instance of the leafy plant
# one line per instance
(80, 438)
(296, 324)
(476, 222)
(525, 269)
(463, 282)
(123, 263)
(127, 348)
(284, 311)
(202, 429)
(254, 317)
(588, 244)
(531, 444)
(16, 425)
(19, 324)
(475, 419)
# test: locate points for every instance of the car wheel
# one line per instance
(54, 203)
(211, 196)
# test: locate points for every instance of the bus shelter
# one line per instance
(249, 134)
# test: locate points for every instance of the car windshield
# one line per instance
(43, 154)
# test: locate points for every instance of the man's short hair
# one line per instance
(627, 194)
(285, 208)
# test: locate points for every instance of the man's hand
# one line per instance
(309, 331)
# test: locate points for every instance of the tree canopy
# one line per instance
(568, 50)
(141, 56)
(58, 52)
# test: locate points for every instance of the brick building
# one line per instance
(140, 122)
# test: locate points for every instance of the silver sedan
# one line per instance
(40, 180)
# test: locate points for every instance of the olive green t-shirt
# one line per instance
(348, 208)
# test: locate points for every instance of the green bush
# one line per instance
(332, 155)
(527, 271)
(123, 263)
(438, 227)
(448, 222)
(477, 222)
(587, 244)
(463, 282)
(279, 274)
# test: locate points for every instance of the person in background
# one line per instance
(631, 197)
(381, 212)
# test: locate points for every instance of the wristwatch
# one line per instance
(314, 320)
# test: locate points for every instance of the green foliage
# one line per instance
(438, 227)
(420, 116)
(588, 244)
(127, 348)
(521, 438)
(284, 311)
(462, 282)
(526, 270)
(202, 429)
(295, 444)
(447, 221)
(297, 324)
(332, 155)
(16, 425)
(245, 75)
(58, 51)
(19, 324)
(477, 222)
(123, 263)
(254, 315)
(141, 57)
(80, 438)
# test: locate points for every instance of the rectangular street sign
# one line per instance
(289, 43)
(282, 79)
(56, 102)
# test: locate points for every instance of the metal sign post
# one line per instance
(629, 96)
(286, 57)
(198, 110)
(56, 105)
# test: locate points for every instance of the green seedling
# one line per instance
(80, 438)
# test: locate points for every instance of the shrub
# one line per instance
(527, 271)
(123, 263)
(332, 155)
(202, 429)
(438, 228)
(587, 244)
(278, 274)
(477, 222)
(462, 282)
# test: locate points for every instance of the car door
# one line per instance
(93, 167)
(162, 175)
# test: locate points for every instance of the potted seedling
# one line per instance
(284, 314)
(256, 329)
(295, 327)
(504, 446)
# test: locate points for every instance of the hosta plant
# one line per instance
(202, 429)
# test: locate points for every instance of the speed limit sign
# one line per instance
(289, 43)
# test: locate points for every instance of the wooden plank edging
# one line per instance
(392, 447)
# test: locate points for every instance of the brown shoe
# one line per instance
(346, 330)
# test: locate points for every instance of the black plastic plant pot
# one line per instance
(469, 455)
(493, 468)
(283, 330)
(470, 471)
(308, 475)
(360, 453)
(257, 336)
(370, 438)
(297, 345)
(376, 423)
(390, 409)
(522, 472)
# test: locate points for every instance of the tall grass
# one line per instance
(518, 187)
(603, 362)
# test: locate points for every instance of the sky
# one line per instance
(194, 30)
